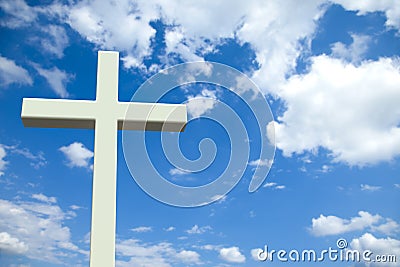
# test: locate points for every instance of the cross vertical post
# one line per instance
(102, 238)
(105, 115)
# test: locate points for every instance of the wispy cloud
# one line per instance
(57, 40)
(142, 229)
(274, 186)
(44, 198)
(176, 171)
(261, 162)
(198, 230)
(10, 73)
(19, 14)
(370, 188)
(133, 252)
(37, 160)
(56, 78)
(3, 163)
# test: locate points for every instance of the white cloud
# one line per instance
(391, 8)
(255, 252)
(270, 184)
(325, 108)
(261, 162)
(44, 198)
(56, 42)
(56, 78)
(397, 185)
(325, 169)
(353, 52)
(333, 225)
(37, 160)
(12, 73)
(3, 163)
(379, 246)
(277, 36)
(19, 14)
(176, 171)
(210, 247)
(371, 188)
(388, 228)
(232, 254)
(11, 244)
(75, 207)
(198, 230)
(37, 230)
(188, 256)
(94, 21)
(274, 186)
(219, 198)
(201, 103)
(147, 255)
(142, 229)
(170, 229)
(77, 154)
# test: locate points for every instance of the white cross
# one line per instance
(105, 115)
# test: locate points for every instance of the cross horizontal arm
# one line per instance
(82, 114)
(152, 117)
(58, 113)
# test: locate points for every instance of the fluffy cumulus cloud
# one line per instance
(36, 230)
(12, 73)
(94, 21)
(77, 155)
(325, 107)
(333, 225)
(11, 244)
(379, 246)
(255, 252)
(349, 110)
(135, 253)
(273, 33)
(232, 254)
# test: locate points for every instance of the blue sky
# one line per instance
(329, 70)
